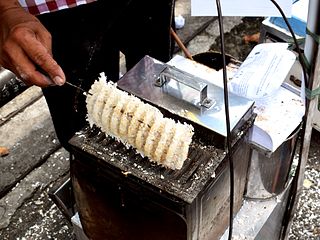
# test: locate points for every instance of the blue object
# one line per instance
(298, 25)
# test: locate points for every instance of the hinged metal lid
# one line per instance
(185, 95)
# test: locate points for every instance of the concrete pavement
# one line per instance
(36, 162)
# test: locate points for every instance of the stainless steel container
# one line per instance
(269, 172)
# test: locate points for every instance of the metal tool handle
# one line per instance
(188, 84)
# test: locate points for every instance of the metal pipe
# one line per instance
(312, 53)
(180, 44)
(313, 24)
(5, 76)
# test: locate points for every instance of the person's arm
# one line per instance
(25, 46)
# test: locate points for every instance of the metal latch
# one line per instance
(184, 86)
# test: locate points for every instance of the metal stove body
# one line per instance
(121, 195)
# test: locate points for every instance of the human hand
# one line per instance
(25, 48)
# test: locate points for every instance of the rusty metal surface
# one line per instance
(203, 160)
(203, 164)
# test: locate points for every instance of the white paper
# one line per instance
(240, 8)
(277, 117)
(263, 71)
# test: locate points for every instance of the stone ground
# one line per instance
(36, 163)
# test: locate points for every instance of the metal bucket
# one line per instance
(269, 173)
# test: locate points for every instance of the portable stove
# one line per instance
(121, 195)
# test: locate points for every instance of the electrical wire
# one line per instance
(226, 105)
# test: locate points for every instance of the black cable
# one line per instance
(226, 105)
(293, 189)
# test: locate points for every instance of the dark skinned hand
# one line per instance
(25, 47)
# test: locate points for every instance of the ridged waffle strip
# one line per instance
(138, 124)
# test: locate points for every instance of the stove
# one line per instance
(121, 195)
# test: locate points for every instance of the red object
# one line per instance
(45, 6)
